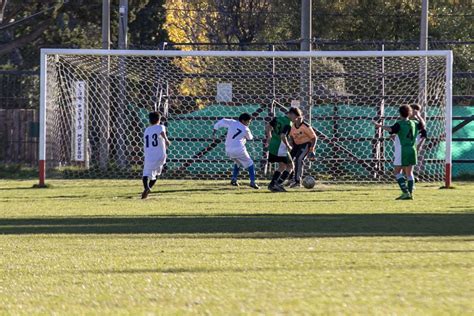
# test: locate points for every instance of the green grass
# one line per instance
(93, 247)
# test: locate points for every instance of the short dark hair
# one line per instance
(405, 111)
(245, 117)
(415, 107)
(154, 117)
(295, 111)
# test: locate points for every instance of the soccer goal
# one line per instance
(94, 106)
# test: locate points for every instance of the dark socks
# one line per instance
(145, 183)
(402, 183)
(283, 177)
(252, 174)
(275, 177)
(235, 172)
(152, 183)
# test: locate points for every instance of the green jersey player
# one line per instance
(406, 156)
(279, 148)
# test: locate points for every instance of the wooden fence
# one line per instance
(19, 136)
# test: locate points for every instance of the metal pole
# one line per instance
(449, 119)
(306, 25)
(305, 77)
(379, 143)
(120, 133)
(424, 26)
(422, 95)
(42, 120)
(104, 113)
(106, 24)
(123, 24)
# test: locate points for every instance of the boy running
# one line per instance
(238, 132)
(155, 143)
(405, 131)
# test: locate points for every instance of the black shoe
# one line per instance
(255, 186)
(280, 188)
(145, 194)
(295, 185)
(272, 188)
(276, 188)
(234, 183)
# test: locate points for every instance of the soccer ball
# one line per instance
(309, 182)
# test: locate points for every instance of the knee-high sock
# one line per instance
(152, 183)
(402, 182)
(252, 174)
(275, 177)
(145, 183)
(411, 183)
(235, 172)
(283, 177)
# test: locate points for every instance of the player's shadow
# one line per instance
(252, 226)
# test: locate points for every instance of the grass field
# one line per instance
(93, 247)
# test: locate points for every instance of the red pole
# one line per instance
(42, 173)
(447, 180)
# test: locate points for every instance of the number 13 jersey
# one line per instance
(237, 135)
(154, 144)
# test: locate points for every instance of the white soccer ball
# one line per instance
(309, 182)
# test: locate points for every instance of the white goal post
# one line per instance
(93, 108)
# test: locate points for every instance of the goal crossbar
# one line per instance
(279, 54)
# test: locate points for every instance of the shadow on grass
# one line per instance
(252, 226)
(181, 270)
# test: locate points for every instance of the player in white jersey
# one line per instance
(238, 132)
(155, 143)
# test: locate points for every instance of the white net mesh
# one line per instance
(97, 110)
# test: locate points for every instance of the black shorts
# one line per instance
(285, 159)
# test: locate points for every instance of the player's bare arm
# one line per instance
(284, 140)
(385, 128)
(268, 134)
(167, 141)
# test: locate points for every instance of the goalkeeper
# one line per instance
(304, 139)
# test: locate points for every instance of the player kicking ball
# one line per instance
(279, 148)
(155, 143)
(405, 131)
(238, 133)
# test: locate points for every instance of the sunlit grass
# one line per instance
(93, 247)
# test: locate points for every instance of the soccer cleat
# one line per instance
(145, 194)
(273, 188)
(234, 183)
(295, 185)
(405, 196)
(279, 188)
(255, 186)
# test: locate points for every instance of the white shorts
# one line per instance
(153, 168)
(241, 158)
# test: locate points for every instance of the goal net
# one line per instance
(94, 107)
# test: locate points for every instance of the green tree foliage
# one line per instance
(70, 24)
